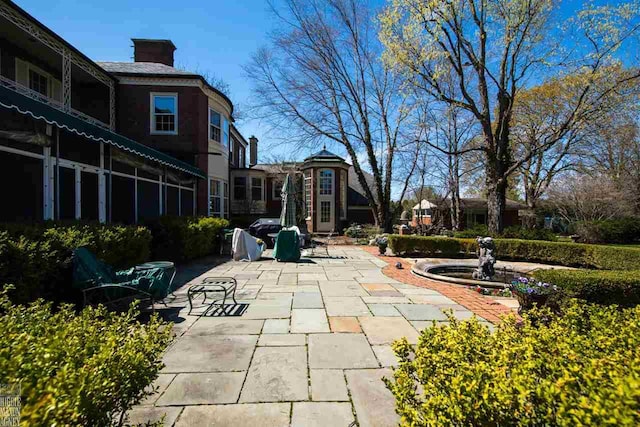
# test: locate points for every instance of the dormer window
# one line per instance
(164, 113)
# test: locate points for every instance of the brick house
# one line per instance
(61, 154)
(327, 188)
(181, 114)
(473, 212)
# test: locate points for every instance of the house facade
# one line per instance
(179, 113)
(130, 141)
(61, 153)
(327, 191)
(473, 212)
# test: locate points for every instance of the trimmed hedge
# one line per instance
(581, 368)
(624, 230)
(37, 258)
(512, 232)
(83, 369)
(561, 253)
(602, 287)
(182, 239)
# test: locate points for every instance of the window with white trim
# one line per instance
(256, 189)
(38, 82)
(215, 125)
(326, 182)
(164, 113)
(216, 204)
(307, 194)
(226, 199)
(225, 136)
(276, 187)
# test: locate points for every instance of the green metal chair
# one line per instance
(287, 246)
(95, 278)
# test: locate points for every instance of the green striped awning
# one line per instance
(54, 116)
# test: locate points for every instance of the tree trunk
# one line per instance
(496, 199)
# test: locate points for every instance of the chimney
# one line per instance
(253, 151)
(152, 50)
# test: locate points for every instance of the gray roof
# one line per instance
(356, 194)
(324, 154)
(151, 68)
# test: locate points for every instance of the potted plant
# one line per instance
(382, 243)
(530, 291)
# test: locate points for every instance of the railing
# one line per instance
(23, 90)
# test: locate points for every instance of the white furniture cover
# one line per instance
(245, 247)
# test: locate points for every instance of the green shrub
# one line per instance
(182, 239)
(37, 258)
(512, 232)
(624, 230)
(582, 368)
(561, 253)
(602, 287)
(82, 369)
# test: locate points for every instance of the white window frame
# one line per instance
(152, 114)
(219, 194)
(330, 176)
(212, 110)
(343, 194)
(261, 189)
(225, 198)
(51, 80)
(308, 188)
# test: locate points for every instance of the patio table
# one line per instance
(226, 285)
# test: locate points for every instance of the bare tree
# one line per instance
(321, 79)
(580, 197)
(491, 49)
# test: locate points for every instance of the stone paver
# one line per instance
(144, 414)
(277, 374)
(282, 340)
(210, 353)
(321, 414)
(385, 355)
(225, 326)
(193, 389)
(245, 415)
(374, 404)
(385, 330)
(309, 320)
(340, 351)
(276, 326)
(346, 306)
(344, 324)
(309, 325)
(328, 384)
(307, 300)
(387, 310)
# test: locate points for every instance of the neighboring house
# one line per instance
(61, 153)
(179, 113)
(422, 213)
(326, 185)
(473, 212)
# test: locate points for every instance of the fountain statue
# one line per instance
(486, 259)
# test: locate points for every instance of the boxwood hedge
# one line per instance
(599, 286)
(37, 258)
(82, 369)
(461, 374)
(185, 238)
(560, 253)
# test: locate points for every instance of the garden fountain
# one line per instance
(467, 272)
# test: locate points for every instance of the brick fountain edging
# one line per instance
(484, 307)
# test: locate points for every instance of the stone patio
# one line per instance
(310, 350)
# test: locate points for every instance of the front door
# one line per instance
(326, 201)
